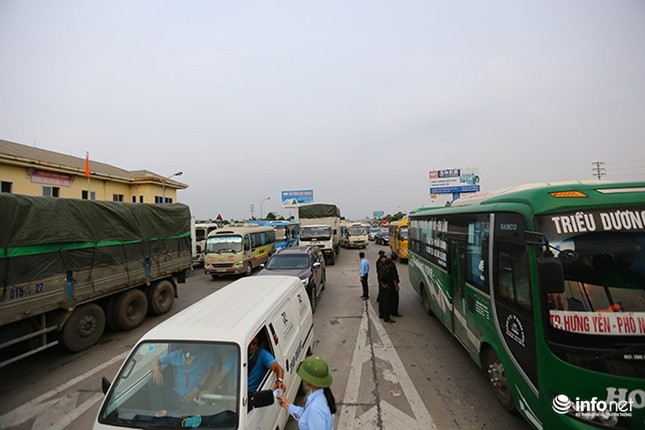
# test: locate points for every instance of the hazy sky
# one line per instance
(356, 100)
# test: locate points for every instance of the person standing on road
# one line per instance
(378, 260)
(318, 412)
(363, 271)
(394, 308)
(386, 286)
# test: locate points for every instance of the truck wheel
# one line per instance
(498, 380)
(160, 297)
(332, 259)
(84, 328)
(128, 310)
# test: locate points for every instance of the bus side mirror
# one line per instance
(261, 399)
(551, 275)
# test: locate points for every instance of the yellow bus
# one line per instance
(399, 238)
(238, 249)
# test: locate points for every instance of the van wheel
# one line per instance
(249, 270)
(84, 328)
(498, 380)
(160, 297)
(128, 310)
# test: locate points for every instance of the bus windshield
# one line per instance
(600, 316)
(319, 233)
(148, 392)
(224, 243)
(403, 234)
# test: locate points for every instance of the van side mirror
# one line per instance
(551, 275)
(105, 385)
(261, 399)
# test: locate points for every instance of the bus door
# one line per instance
(512, 294)
(468, 250)
(457, 258)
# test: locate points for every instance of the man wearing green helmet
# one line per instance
(318, 412)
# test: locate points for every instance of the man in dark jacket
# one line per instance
(386, 286)
(394, 298)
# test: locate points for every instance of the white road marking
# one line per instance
(390, 417)
(35, 407)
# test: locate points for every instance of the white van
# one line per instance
(217, 329)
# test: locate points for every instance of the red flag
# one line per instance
(87, 164)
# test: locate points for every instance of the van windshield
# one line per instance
(176, 385)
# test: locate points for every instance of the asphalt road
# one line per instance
(411, 374)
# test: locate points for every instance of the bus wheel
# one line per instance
(426, 301)
(128, 310)
(84, 328)
(498, 381)
(248, 270)
(160, 297)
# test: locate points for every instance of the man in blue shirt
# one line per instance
(192, 365)
(261, 360)
(363, 271)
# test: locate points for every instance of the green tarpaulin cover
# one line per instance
(318, 210)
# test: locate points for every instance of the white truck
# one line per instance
(199, 232)
(320, 226)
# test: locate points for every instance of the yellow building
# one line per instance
(39, 172)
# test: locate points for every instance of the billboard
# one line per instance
(451, 181)
(295, 198)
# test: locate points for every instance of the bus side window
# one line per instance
(505, 282)
(512, 277)
(247, 243)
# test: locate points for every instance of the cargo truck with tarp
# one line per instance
(320, 226)
(70, 267)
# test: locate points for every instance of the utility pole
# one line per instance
(252, 210)
(598, 169)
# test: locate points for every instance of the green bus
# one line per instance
(544, 285)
